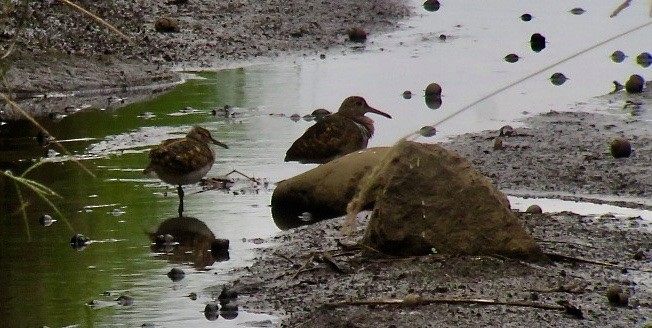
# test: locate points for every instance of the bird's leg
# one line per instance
(180, 192)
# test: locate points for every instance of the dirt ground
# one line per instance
(56, 49)
(558, 154)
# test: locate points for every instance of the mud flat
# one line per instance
(562, 154)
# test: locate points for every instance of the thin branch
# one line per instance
(426, 301)
(562, 257)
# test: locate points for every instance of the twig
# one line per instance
(564, 242)
(242, 174)
(284, 257)
(620, 8)
(561, 257)
(310, 260)
(426, 301)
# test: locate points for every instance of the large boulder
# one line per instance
(323, 191)
(429, 199)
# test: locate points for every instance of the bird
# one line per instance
(336, 135)
(182, 161)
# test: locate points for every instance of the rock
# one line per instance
(166, 25)
(535, 209)
(431, 5)
(620, 148)
(498, 143)
(617, 297)
(323, 191)
(433, 89)
(427, 197)
(176, 274)
(635, 84)
(357, 34)
(537, 42)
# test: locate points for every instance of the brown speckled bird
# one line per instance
(337, 134)
(183, 161)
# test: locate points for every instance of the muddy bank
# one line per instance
(58, 49)
(292, 282)
(559, 154)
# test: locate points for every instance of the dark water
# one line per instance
(47, 282)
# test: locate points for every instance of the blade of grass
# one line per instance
(22, 211)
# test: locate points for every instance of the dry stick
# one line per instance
(620, 8)
(564, 242)
(242, 174)
(310, 260)
(561, 257)
(97, 19)
(426, 301)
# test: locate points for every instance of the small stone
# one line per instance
(644, 59)
(319, 113)
(639, 256)
(166, 25)
(635, 84)
(322, 56)
(79, 242)
(442, 37)
(176, 274)
(229, 311)
(498, 143)
(512, 58)
(125, 300)
(506, 131)
(535, 209)
(577, 11)
(558, 79)
(227, 294)
(46, 220)
(428, 131)
(620, 148)
(412, 300)
(357, 34)
(526, 17)
(407, 94)
(431, 5)
(433, 89)
(618, 56)
(211, 311)
(433, 102)
(295, 117)
(617, 297)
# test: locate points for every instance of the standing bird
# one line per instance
(337, 134)
(183, 161)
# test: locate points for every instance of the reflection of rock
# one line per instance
(429, 199)
(323, 191)
(433, 102)
(192, 240)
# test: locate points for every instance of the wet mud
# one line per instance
(311, 277)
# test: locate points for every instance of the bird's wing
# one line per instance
(330, 137)
(181, 156)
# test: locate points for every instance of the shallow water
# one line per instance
(49, 283)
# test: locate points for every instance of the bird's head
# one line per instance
(355, 107)
(202, 135)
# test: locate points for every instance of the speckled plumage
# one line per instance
(337, 134)
(182, 161)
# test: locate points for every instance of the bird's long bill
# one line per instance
(219, 143)
(375, 111)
